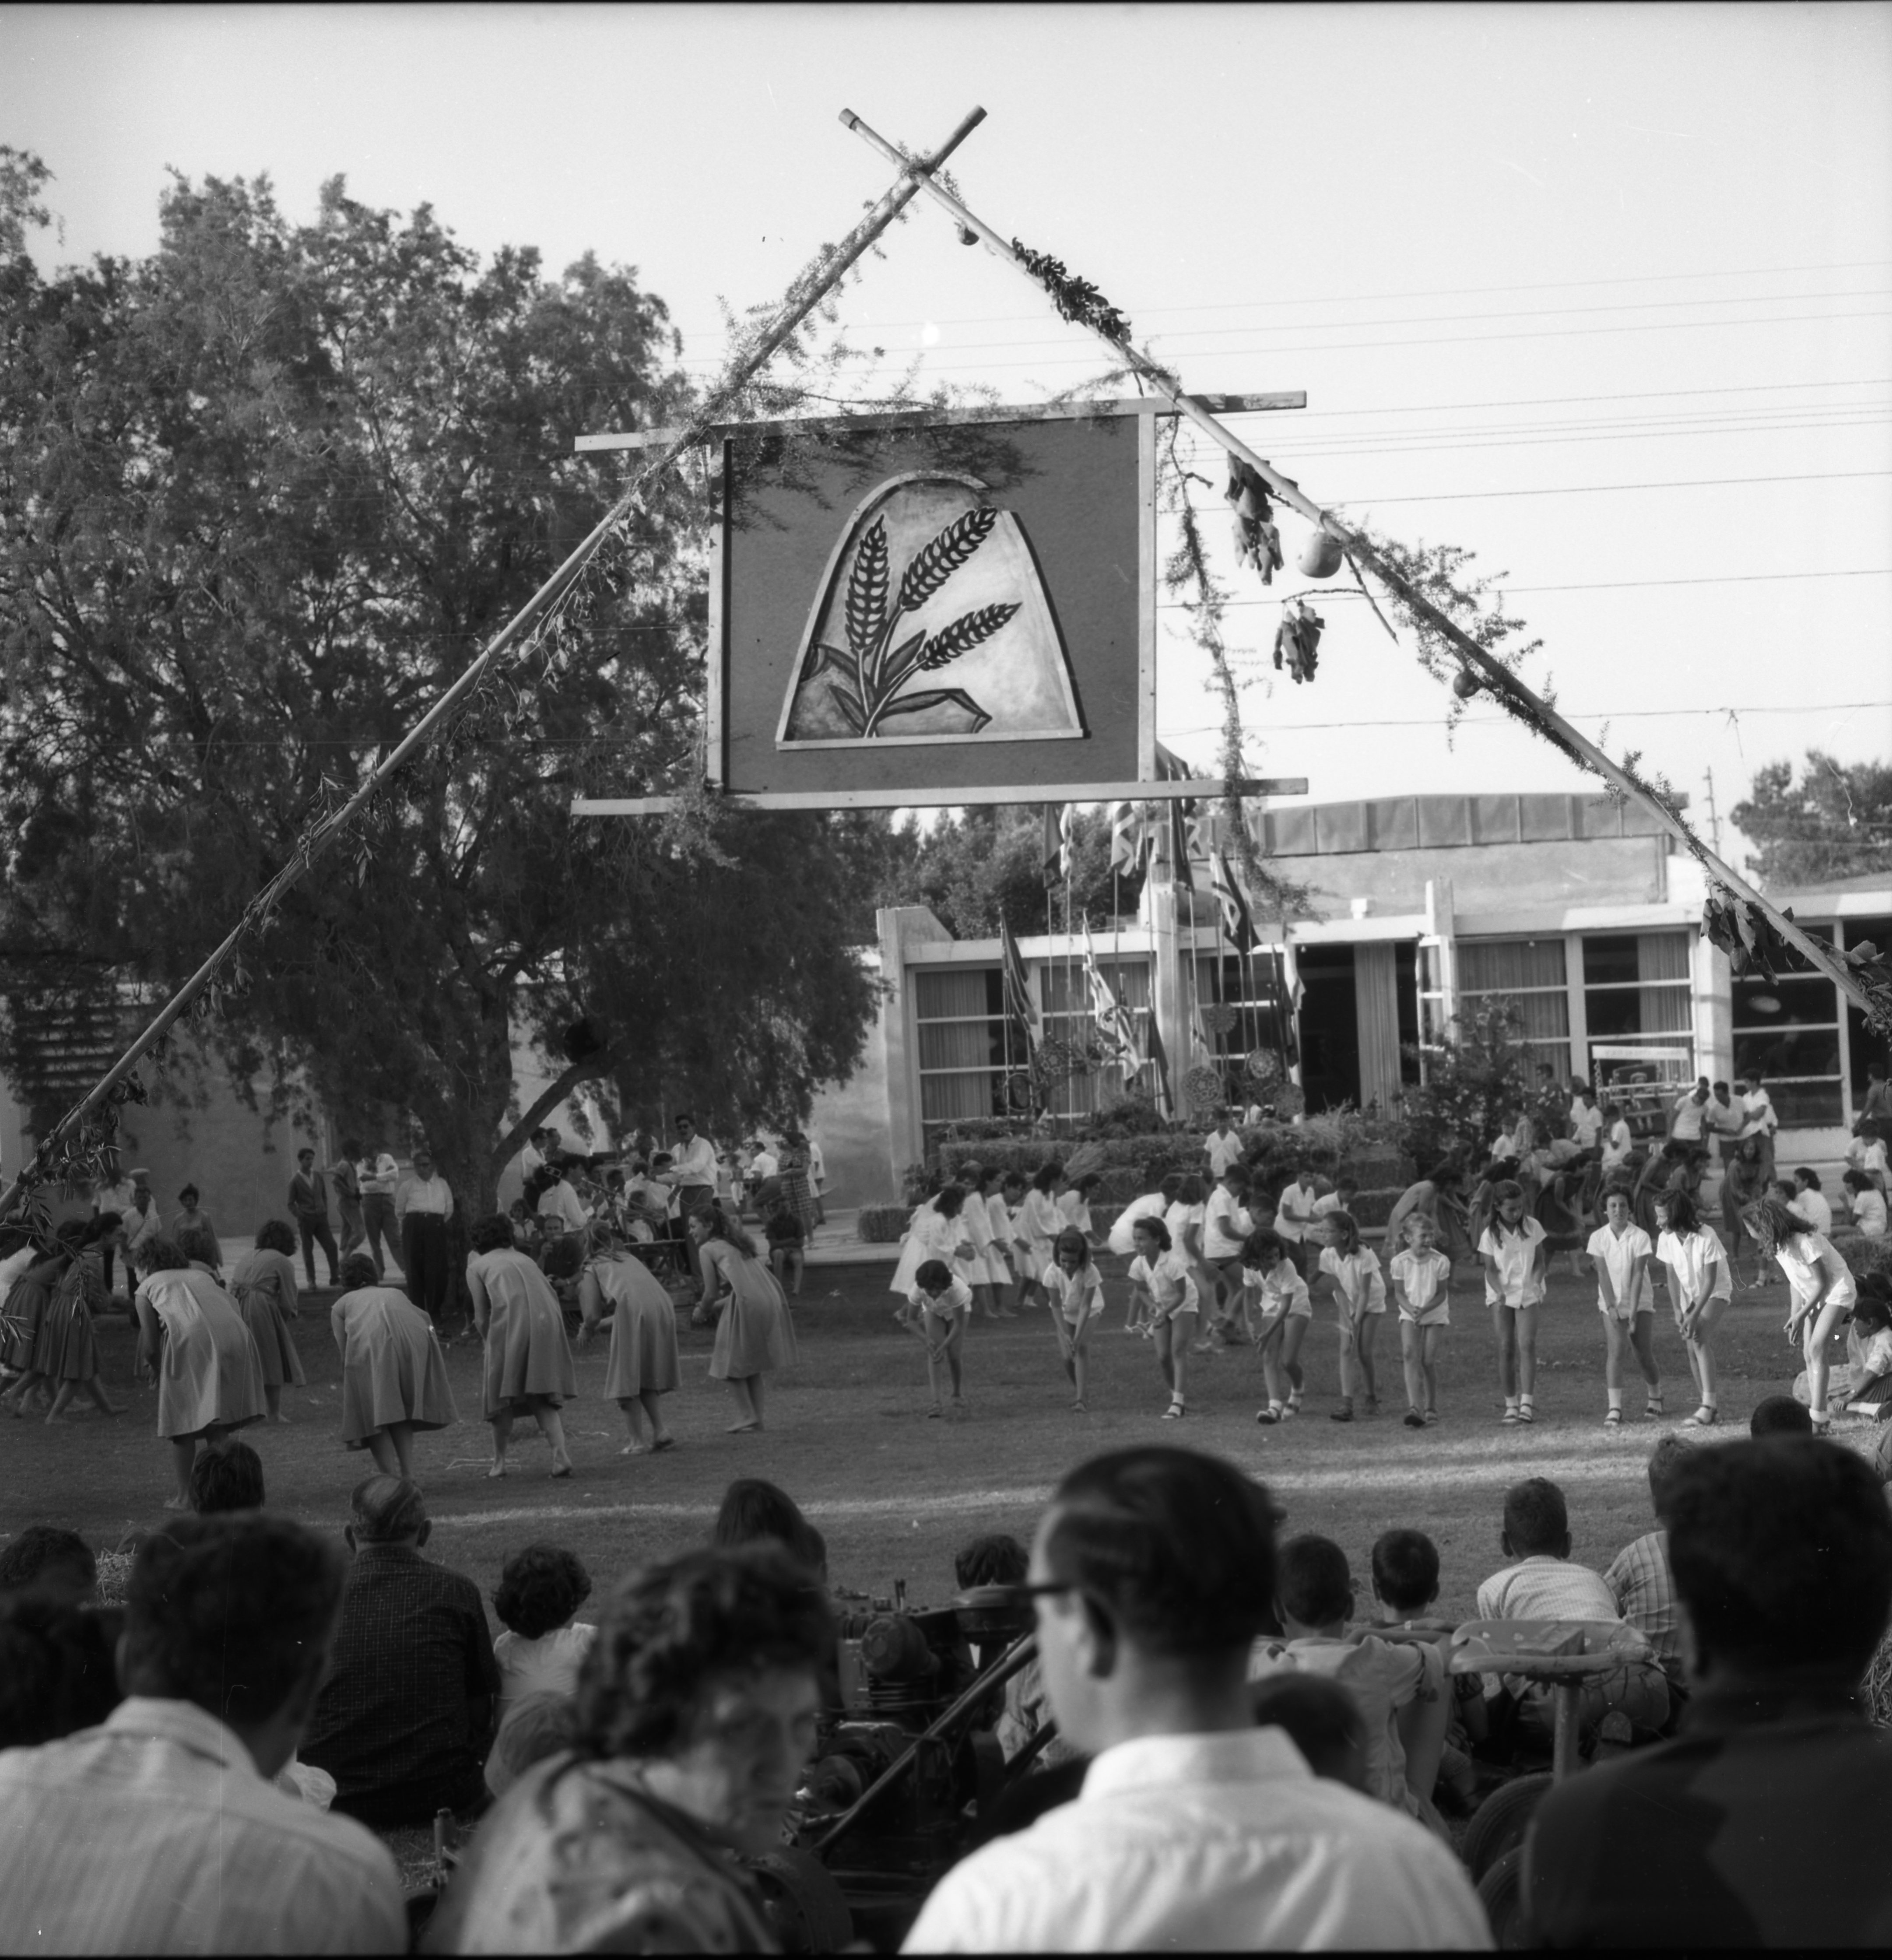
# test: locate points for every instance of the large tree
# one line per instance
(262, 496)
(1834, 822)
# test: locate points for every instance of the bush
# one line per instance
(883, 1224)
(1474, 1085)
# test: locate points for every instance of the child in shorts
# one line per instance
(1512, 1250)
(1360, 1292)
(1074, 1289)
(937, 1309)
(1420, 1274)
(1162, 1277)
(1277, 1313)
(1621, 1251)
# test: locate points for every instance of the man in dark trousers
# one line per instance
(309, 1201)
(423, 1205)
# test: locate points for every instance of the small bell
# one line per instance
(1321, 555)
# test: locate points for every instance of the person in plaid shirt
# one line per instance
(1638, 1578)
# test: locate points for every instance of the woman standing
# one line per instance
(643, 1358)
(798, 1192)
(529, 1368)
(1700, 1288)
(1742, 1186)
(1823, 1292)
(264, 1284)
(66, 1351)
(192, 1342)
(988, 1274)
(192, 1217)
(754, 1334)
(1039, 1222)
(393, 1375)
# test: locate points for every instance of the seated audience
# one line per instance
(1780, 1415)
(754, 1511)
(1543, 1584)
(787, 1243)
(1757, 1826)
(999, 1560)
(159, 1831)
(1867, 1202)
(695, 1718)
(1321, 1718)
(540, 1591)
(1400, 1686)
(404, 1719)
(1154, 1572)
(57, 1669)
(536, 1725)
(46, 1558)
(226, 1476)
(1639, 1577)
(1405, 1578)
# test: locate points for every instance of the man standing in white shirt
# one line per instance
(1293, 1215)
(1152, 1573)
(1689, 1117)
(423, 1205)
(378, 1176)
(1224, 1147)
(1758, 1119)
(162, 1831)
(1226, 1226)
(692, 1169)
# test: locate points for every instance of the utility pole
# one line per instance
(1714, 822)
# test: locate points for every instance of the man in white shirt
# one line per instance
(142, 1223)
(162, 1831)
(1226, 1226)
(1586, 1119)
(1153, 1573)
(117, 1194)
(692, 1171)
(423, 1205)
(1293, 1214)
(378, 1176)
(1689, 1117)
(1224, 1147)
(1617, 1143)
(559, 1201)
(1758, 1119)
(763, 1163)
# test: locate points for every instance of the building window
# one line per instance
(1863, 1046)
(1787, 1031)
(1638, 995)
(1529, 972)
(965, 1049)
(1241, 988)
(1064, 993)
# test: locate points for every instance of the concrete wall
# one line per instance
(1596, 871)
(849, 1121)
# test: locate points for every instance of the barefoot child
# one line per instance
(1038, 1223)
(1278, 1312)
(1420, 1274)
(1165, 1280)
(1512, 1250)
(1824, 1293)
(1700, 1286)
(1621, 1251)
(1073, 1289)
(1360, 1294)
(936, 1310)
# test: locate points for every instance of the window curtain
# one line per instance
(957, 1030)
(1663, 955)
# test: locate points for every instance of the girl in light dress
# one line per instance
(986, 1270)
(938, 1229)
(66, 1352)
(1185, 1218)
(1039, 1222)
(393, 1374)
(192, 1217)
(1004, 1254)
(643, 1362)
(1823, 1292)
(1358, 1287)
(754, 1332)
(1072, 1288)
(1122, 1240)
(1277, 1312)
(1421, 1275)
(529, 1368)
(1700, 1286)
(263, 1284)
(1512, 1250)
(192, 1342)
(1164, 1280)
(1622, 1252)
(937, 1309)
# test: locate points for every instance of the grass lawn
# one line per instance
(895, 1492)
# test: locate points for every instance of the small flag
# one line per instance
(1181, 809)
(1165, 1100)
(1237, 922)
(1129, 836)
(1019, 1005)
(1117, 1032)
(1057, 843)
(1292, 992)
(1202, 832)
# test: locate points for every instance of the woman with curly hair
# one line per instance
(643, 1362)
(696, 1710)
(263, 1284)
(1823, 1291)
(393, 1374)
(529, 1368)
(753, 1333)
(537, 1600)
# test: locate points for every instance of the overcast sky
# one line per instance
(1602, 294)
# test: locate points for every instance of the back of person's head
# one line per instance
(386, 1510)
(232, 1613)
(1405, 1571)
(1191, 1190)
(1777, 1224)
(540, 1588)
(1313, 1582)
(1171, 1187)
(1321, 1718)
(1177, 1547)
(756, 1512)
(949, 1200)
(537, 1725)
(197, 1244)
(226, 1476)
(493, 1234)
(48, 1558)
(997, 1559)
(1669, 1452)
(1537, 1520)
(1046, 1175)
(932, 1275)
(1782, 1553)
(1780, 1415)
(273, 1235)
(358, 1270)
(1807, 1178)
(57, 1670)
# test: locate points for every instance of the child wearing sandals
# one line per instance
(1419, 1274)
(1163, 1278)
(937, 1309)
(1512, 1250)
(1278, 1312)
(1072, 1288)
(1700, 1286)
(1359, 1293)
(1824, 1293)
(1621, 1251)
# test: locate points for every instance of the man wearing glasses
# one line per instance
(1152, 1575)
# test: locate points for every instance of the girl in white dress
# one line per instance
(1122, 1240)
(1072, 1288)
(1823, 1292)
(1359, 1288)
(985, 1267)
(939, 1230)
(1700, 1285)
(1165, 1282)
(1621, 1251)
(1039, 1222)
(998, 1213)
(1512, 1249)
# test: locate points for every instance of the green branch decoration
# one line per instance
(1075, 299)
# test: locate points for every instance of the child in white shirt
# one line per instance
(937, 1310)
(1869, 1349)
(1359, 1292)
(537, 1600)
(1621, 1251)
(1512, 1250)
(1868, 1207)
(1277, 1311)
(1419, 1273)
(1164, 1277)
(1073, 1289)
(1700, 1286)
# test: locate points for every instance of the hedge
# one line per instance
(883, 1224)
(1275, 1151)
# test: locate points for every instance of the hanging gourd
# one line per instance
(1321, 555)
(1297, 640)
(1257, 540)
(1465, 683)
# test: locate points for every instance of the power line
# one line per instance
(1597, 489)
(1304, 415)
(1506, 721)
(1506, 591)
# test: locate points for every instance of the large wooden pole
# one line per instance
(1533, 709)
(801, 300)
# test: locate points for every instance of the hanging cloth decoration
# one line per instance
(1297, 643)
(1257, 541)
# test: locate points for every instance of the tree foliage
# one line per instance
(1475, 1084)
(1835, 822)
(263, 495)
